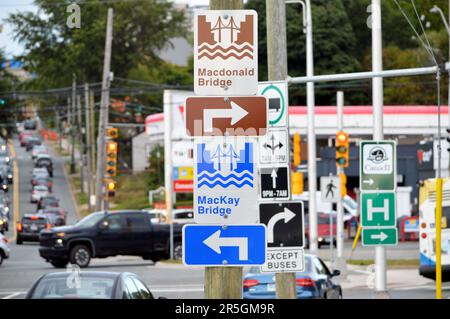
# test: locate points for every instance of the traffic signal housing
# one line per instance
(111, 158)
(342, 149)
(113, 132)
(111, 188)
(297, 183)
(297, 150)
(343, 179)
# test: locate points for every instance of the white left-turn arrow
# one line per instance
(236, 113)
(287, 215)
(215, 242)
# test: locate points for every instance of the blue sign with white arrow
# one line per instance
(218, 245)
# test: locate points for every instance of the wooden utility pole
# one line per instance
(87, 119)
(80, 141)
(224, 282)
(92, 128)
(277, 67)
(104, 114)
(72, 125)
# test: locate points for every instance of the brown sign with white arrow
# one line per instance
(233, 116)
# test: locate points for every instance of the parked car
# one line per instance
(4, 186)
(32, 141)
(314, 282)
(4, 198)
(183, 216)
(47, 201)
(38, 149)
(323, 229)
(89, 285)
(4, 218)
(103, 234)
(4, 249)
(38, 192)
(56, 215)
(29, 227)
(44, 161)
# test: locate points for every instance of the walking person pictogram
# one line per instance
(330, 189)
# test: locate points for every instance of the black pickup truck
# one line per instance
(109, 233)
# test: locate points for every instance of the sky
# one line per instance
(7, 7)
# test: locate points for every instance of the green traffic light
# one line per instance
(341, 149)
(341, 160)
(2, 102)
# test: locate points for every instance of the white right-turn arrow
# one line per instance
(368, 181)
(287, 215)
(236, 113)
(381, 236)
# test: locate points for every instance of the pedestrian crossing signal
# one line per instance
(342, 149)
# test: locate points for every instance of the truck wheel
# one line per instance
(177, 251)
(18, 241)
(80, 255)
(1, 258)
(59, 263)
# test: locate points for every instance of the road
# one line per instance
(174, 280)
(18, 273)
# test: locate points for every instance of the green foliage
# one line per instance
(155, 176)
(55, 51)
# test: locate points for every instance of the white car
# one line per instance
(4, 249)
(38, 192)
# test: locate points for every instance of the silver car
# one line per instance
(4, 249)
(38, 192)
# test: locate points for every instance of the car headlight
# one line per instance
(6, 209)
(7, 159)
(59, 241)
(320, 239)
(9, 175)
(4, 186)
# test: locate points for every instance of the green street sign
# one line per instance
(378, 166)
(379, 236)
(378, 209)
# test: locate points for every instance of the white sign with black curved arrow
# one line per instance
(285, 236)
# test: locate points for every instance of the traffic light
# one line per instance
(297, 149)
(2, 102)
(342, 149)
(111, 158)
(111, 188)
(113, 132)
(297, 183)
(343, 178)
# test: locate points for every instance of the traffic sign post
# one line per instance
(274, 147)
(330, 189)
(225, 183)
(276, 93)
(224, 245)
(275, 183)
(225, 52)
(379, 236)
(285, 236)
(232, 116)
(378, 209)
(378, 166)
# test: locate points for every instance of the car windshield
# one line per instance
(85, 288)
(90, 220)
(41, 188)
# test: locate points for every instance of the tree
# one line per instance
(333, 38)
(155, 177)
(54, 51)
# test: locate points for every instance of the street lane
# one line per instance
(25, 266)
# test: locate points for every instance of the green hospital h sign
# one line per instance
(378, 209)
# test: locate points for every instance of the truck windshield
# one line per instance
(90, 220)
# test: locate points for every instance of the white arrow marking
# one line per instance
(381, 236)
(215, 242)
(369, 181)
(274, 178)
(236, 113)
(287, 215)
